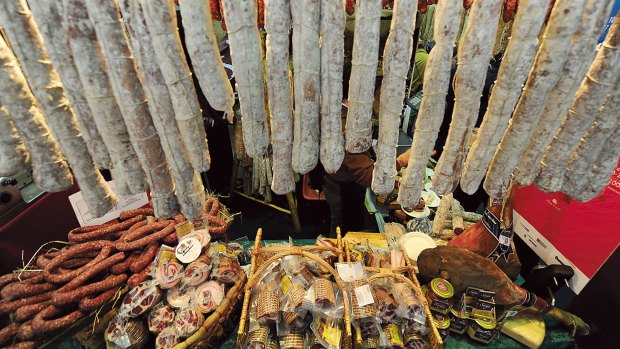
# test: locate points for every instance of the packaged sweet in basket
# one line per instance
(292, 311)
(187, 321)
(370, 342)
(197, 271)
(324, 295)
(208, 296)
(268, 307)
(293, 340)
(140, 299)
(363, 307)
(414, 340)
(167, 338)
(409, 307)
(258, 339)
(168, 271)
(160, 317)
(327, 256)
(328, 331)
(125, 333)
(227, 269)
(391, 337)
(386, 304)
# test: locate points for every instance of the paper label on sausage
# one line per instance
(364, 295)
(125, 202)
(188, 250)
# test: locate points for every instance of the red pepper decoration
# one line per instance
(467, 4)
(510, 9)
(350, 7)
(422, 6)
(215, 10)
(261, 13)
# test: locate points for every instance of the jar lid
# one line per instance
(441, 322)
(442, 288)
(487, 325)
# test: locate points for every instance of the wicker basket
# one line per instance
(276, 253)
(219, 325)
(413, 283)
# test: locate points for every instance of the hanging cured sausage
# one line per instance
(14, 156)
(46, 87)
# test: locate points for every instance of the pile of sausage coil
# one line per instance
(67, 284)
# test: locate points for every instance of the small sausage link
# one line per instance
(144, 211)
(87, 304)
(71, 296)
(42, 323)
(27, 312)
(139, 278)
(25, 332)
(129, 242)
(24, 289)
(91, 272)
(11, 306)
(15, 277)
(171, 239)
(145, 258)
(8, 332)
(95, 235)
(50, 270)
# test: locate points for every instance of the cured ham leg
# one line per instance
(202, 48)
(464, 268)
(53, 27)
(161, 22)
(435, 88)
(27, 42)
(307, 88)
(278, 23)
(396, 58)
(49, 169)
(474, 53)
(363, 75)
(580, 56)
(14, 157)
(126, 170)
(332, 59)
(189, 187)
(596, 139)
(247, 57)
(550, 58)
(129, 93)
(516, 63)
(599, 81)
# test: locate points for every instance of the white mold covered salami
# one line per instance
(516, 63)
(587, 153)
(277, 24)
(161, 21)
(435, 88)
(364, 62)
(332, 59)
(128, 91)
(475, 49)
(126, 169)
(543, 76)
(49, 16)
(599, 81)
(247, 57)
(307, 86)
(50, 170)
(203, 50)
(14, 157)
(188, 184)
(396, 58)
(580, 56)
(27, 43)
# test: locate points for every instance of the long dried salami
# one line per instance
(580, 56)
(599, 81)
(49, 17)
(474, 52)
(129, 93)
(14, 157)
(161, 22)
(189, 187)
(50, 170)
(543, 76)
(365, 57)
(435, 88)
(591, 145)
(396, 58)
(307, 88)
(516, 63)
(332, 24)
(205, 55)
(602, 168)
(28, 46)
(126, 170)
(278, 23)
(247, 57)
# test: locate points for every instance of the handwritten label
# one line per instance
(364, 295)
(188, 250)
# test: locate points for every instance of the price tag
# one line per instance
(345, 272)
(188, 250)
(364, 295)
